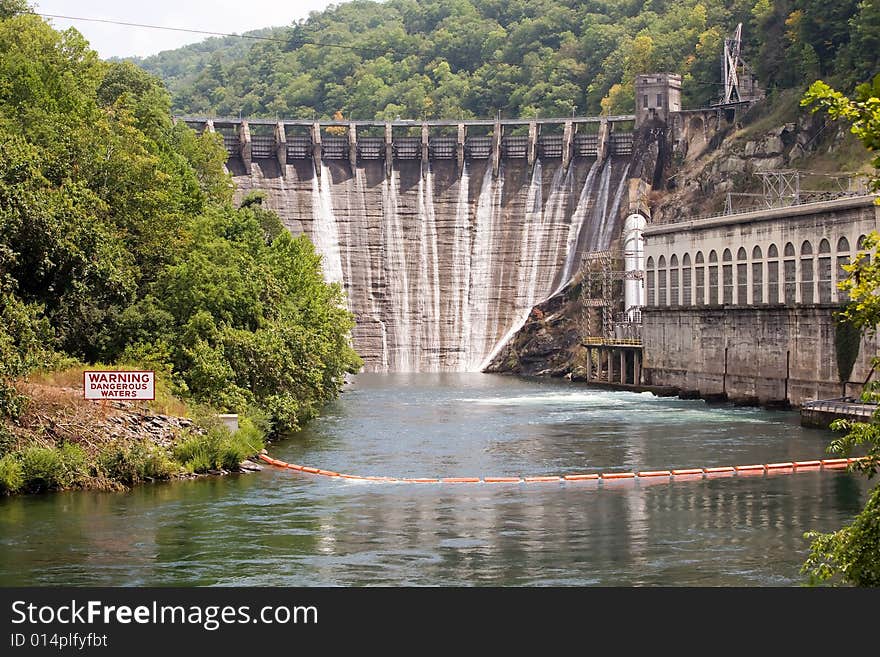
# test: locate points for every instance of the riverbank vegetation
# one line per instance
(851, 555)
(445, 59)
(119, 244)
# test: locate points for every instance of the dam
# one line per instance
(453, 241)
(444, 235)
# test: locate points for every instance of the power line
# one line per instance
(255, 37)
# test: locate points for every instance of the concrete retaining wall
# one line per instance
(765, 354)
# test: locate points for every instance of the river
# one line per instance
(277, 527)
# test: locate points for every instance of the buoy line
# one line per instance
(787, 467)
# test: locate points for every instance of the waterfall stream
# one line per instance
(442, 266)
(325, 234)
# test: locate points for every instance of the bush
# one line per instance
(196, 452)
(46, 468)
(11, 477)
(74, 465)
(130, 464)
(244, 443)
(41, 468)
(218, 448)
(7, 439)
(849, 555)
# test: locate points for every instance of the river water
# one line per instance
(280, 528)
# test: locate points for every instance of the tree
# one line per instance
(851, 555)
(119, 243)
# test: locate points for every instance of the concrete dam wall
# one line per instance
(442, 261)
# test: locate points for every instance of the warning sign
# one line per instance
(119, 385)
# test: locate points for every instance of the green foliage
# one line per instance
(119, 243)
(849, 555)
(863, 113)
(852, 554)
(473, 58)
(132, 463)
(24, 345)
(52, 468)
(847, 339)
(219, 448)
(11, 474)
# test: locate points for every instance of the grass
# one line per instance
(53, 468)
(219, 448)
(132, 463)
(11, 474)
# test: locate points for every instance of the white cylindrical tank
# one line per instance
(634, 261)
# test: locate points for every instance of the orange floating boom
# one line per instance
(745, 469)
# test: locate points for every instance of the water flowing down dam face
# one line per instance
(441, 265)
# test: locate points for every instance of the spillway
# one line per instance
(439, 263)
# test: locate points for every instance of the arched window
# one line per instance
(713, 277)
(727, 276)
(699, 279)
(757, 276)
(806, 272)
(673, 280)
(789, 271)
(843, 257)
(772, 274)
(686, 281)
(661, 281)
(742, 277)
(861, 242)
(651, 287)
(824, 271)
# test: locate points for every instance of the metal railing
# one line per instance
(840, 406)
(593, 341)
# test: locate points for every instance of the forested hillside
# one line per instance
(473, 58)
(119, 244)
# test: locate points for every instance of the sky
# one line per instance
(230, 16)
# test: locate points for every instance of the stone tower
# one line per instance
(657, 94)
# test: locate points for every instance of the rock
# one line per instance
(768, 163)
(732, 164)
(771, 146)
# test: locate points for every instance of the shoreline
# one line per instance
(62, 442)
